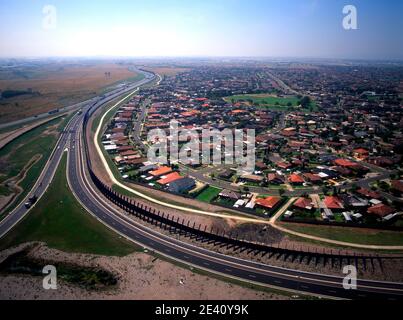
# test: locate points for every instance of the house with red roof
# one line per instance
(169, 178)
(284, 165)
(161, 171)
(369, 193)
(397, 186)
(344, 163)
(269, 202)
(274, 178)
(333, 203)
(381, 210)
(312, 178)
(361, 153)
(304, 204)
(295, 179)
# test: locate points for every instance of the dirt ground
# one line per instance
(167, 71)
(140, 277)
(58, 85)
(386, 270)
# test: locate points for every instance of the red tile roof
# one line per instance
(361, 151)
(369, 193)
(397, 185)
(269, 202)
(304, 203)
(170, 178)
(295, 178)
(381, 210)
(344, 163)
(333, 203)
(161, 171)
(283, 165)
(312, 177)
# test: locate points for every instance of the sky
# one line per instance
(200, 28)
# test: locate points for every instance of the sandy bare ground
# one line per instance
(387, 270)
(141, 277)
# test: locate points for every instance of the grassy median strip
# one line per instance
(60, 221)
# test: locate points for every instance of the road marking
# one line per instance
(252, 276)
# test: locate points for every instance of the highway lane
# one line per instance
(42, 183)
(187, 253)
(50, 168)
(201, 258)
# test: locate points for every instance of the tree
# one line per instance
(281, 191)
(305, 102)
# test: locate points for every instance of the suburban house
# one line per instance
(304, 204)
(182, 185)
(268, 203)
(333, 203)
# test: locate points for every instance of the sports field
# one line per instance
(269, 101)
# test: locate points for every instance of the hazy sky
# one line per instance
(272, 28)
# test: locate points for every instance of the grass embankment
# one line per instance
(30, 151)
(60, 221)
(351, 235)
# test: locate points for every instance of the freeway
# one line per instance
(50, 168)
(201, 258)
(232, 267)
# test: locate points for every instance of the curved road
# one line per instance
(50, 168)
(189, 254)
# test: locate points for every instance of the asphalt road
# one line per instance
(50, 168)
(189, 254)
(97, 205)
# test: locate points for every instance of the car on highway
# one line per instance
(31, 201)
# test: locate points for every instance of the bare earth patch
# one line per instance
(141, 277)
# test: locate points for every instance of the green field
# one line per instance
(60, 221)
(269, 101)
(351, 235)
(18, 154)
(208, 194)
